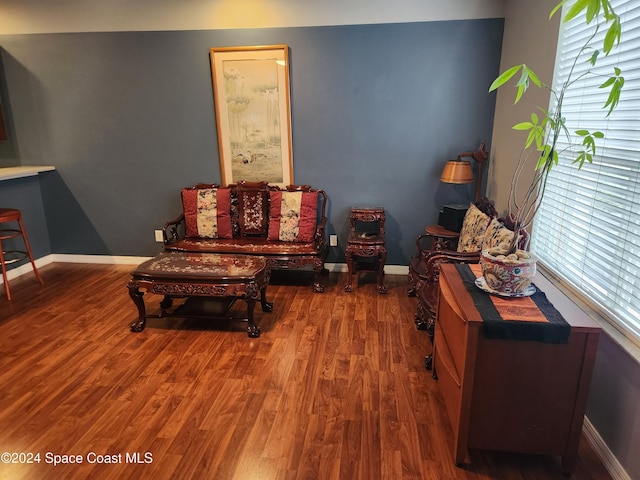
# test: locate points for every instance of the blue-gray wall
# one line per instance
(127, 119)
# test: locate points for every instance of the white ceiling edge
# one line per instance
(59, 16)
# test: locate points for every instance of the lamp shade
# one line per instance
(457, 171)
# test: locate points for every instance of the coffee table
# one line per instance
(211, 282)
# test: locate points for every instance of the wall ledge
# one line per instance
(622, 339)
(9, 173)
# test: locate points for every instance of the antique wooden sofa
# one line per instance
(481, 229)
(285, 225)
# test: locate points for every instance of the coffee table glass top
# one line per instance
(210, 265)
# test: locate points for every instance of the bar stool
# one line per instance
(11, 256)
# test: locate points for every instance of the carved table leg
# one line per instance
(253, 331)
(166, 302)
(136, 296)
(266, 306)
(348, 256)
(251, 296)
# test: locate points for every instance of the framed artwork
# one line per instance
(253, 113)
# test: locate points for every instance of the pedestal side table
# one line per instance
(366, 245)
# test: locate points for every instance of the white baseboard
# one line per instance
(609, 460)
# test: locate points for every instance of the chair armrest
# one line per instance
(441, 239)
(441, 232)
(173, 230)
(421, 244)
(437, 257)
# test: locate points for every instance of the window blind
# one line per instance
(587, 230)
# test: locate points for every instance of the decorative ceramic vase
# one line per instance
(508, 275)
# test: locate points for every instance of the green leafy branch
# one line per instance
(544, 127)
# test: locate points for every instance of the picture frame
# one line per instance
(253, 113)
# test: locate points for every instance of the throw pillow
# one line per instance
(207, 212)
(473, 228)
(292, 216)
(496, 234)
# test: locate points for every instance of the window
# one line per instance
(588, 228)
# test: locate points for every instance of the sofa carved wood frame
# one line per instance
(252, 239)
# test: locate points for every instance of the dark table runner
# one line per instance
(531, 318)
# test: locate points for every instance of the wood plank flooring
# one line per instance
(335, 388)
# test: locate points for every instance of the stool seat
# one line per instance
(11, 256)
(9, 214)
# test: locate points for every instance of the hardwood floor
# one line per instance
(335, 388)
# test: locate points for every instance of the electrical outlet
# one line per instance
(159, 237)
(333, 240)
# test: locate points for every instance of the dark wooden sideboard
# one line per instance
(512, 395)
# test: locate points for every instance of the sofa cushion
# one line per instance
(292, 216)
(207, 212)
(473, 229)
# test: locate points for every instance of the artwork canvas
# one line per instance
(251, 97)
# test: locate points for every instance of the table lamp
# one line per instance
(459, 171)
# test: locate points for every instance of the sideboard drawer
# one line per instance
(452, 328)
(448, 379)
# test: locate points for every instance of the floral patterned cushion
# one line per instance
(207, 212)
(473, 227)
(496, 234)
(292, 216)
